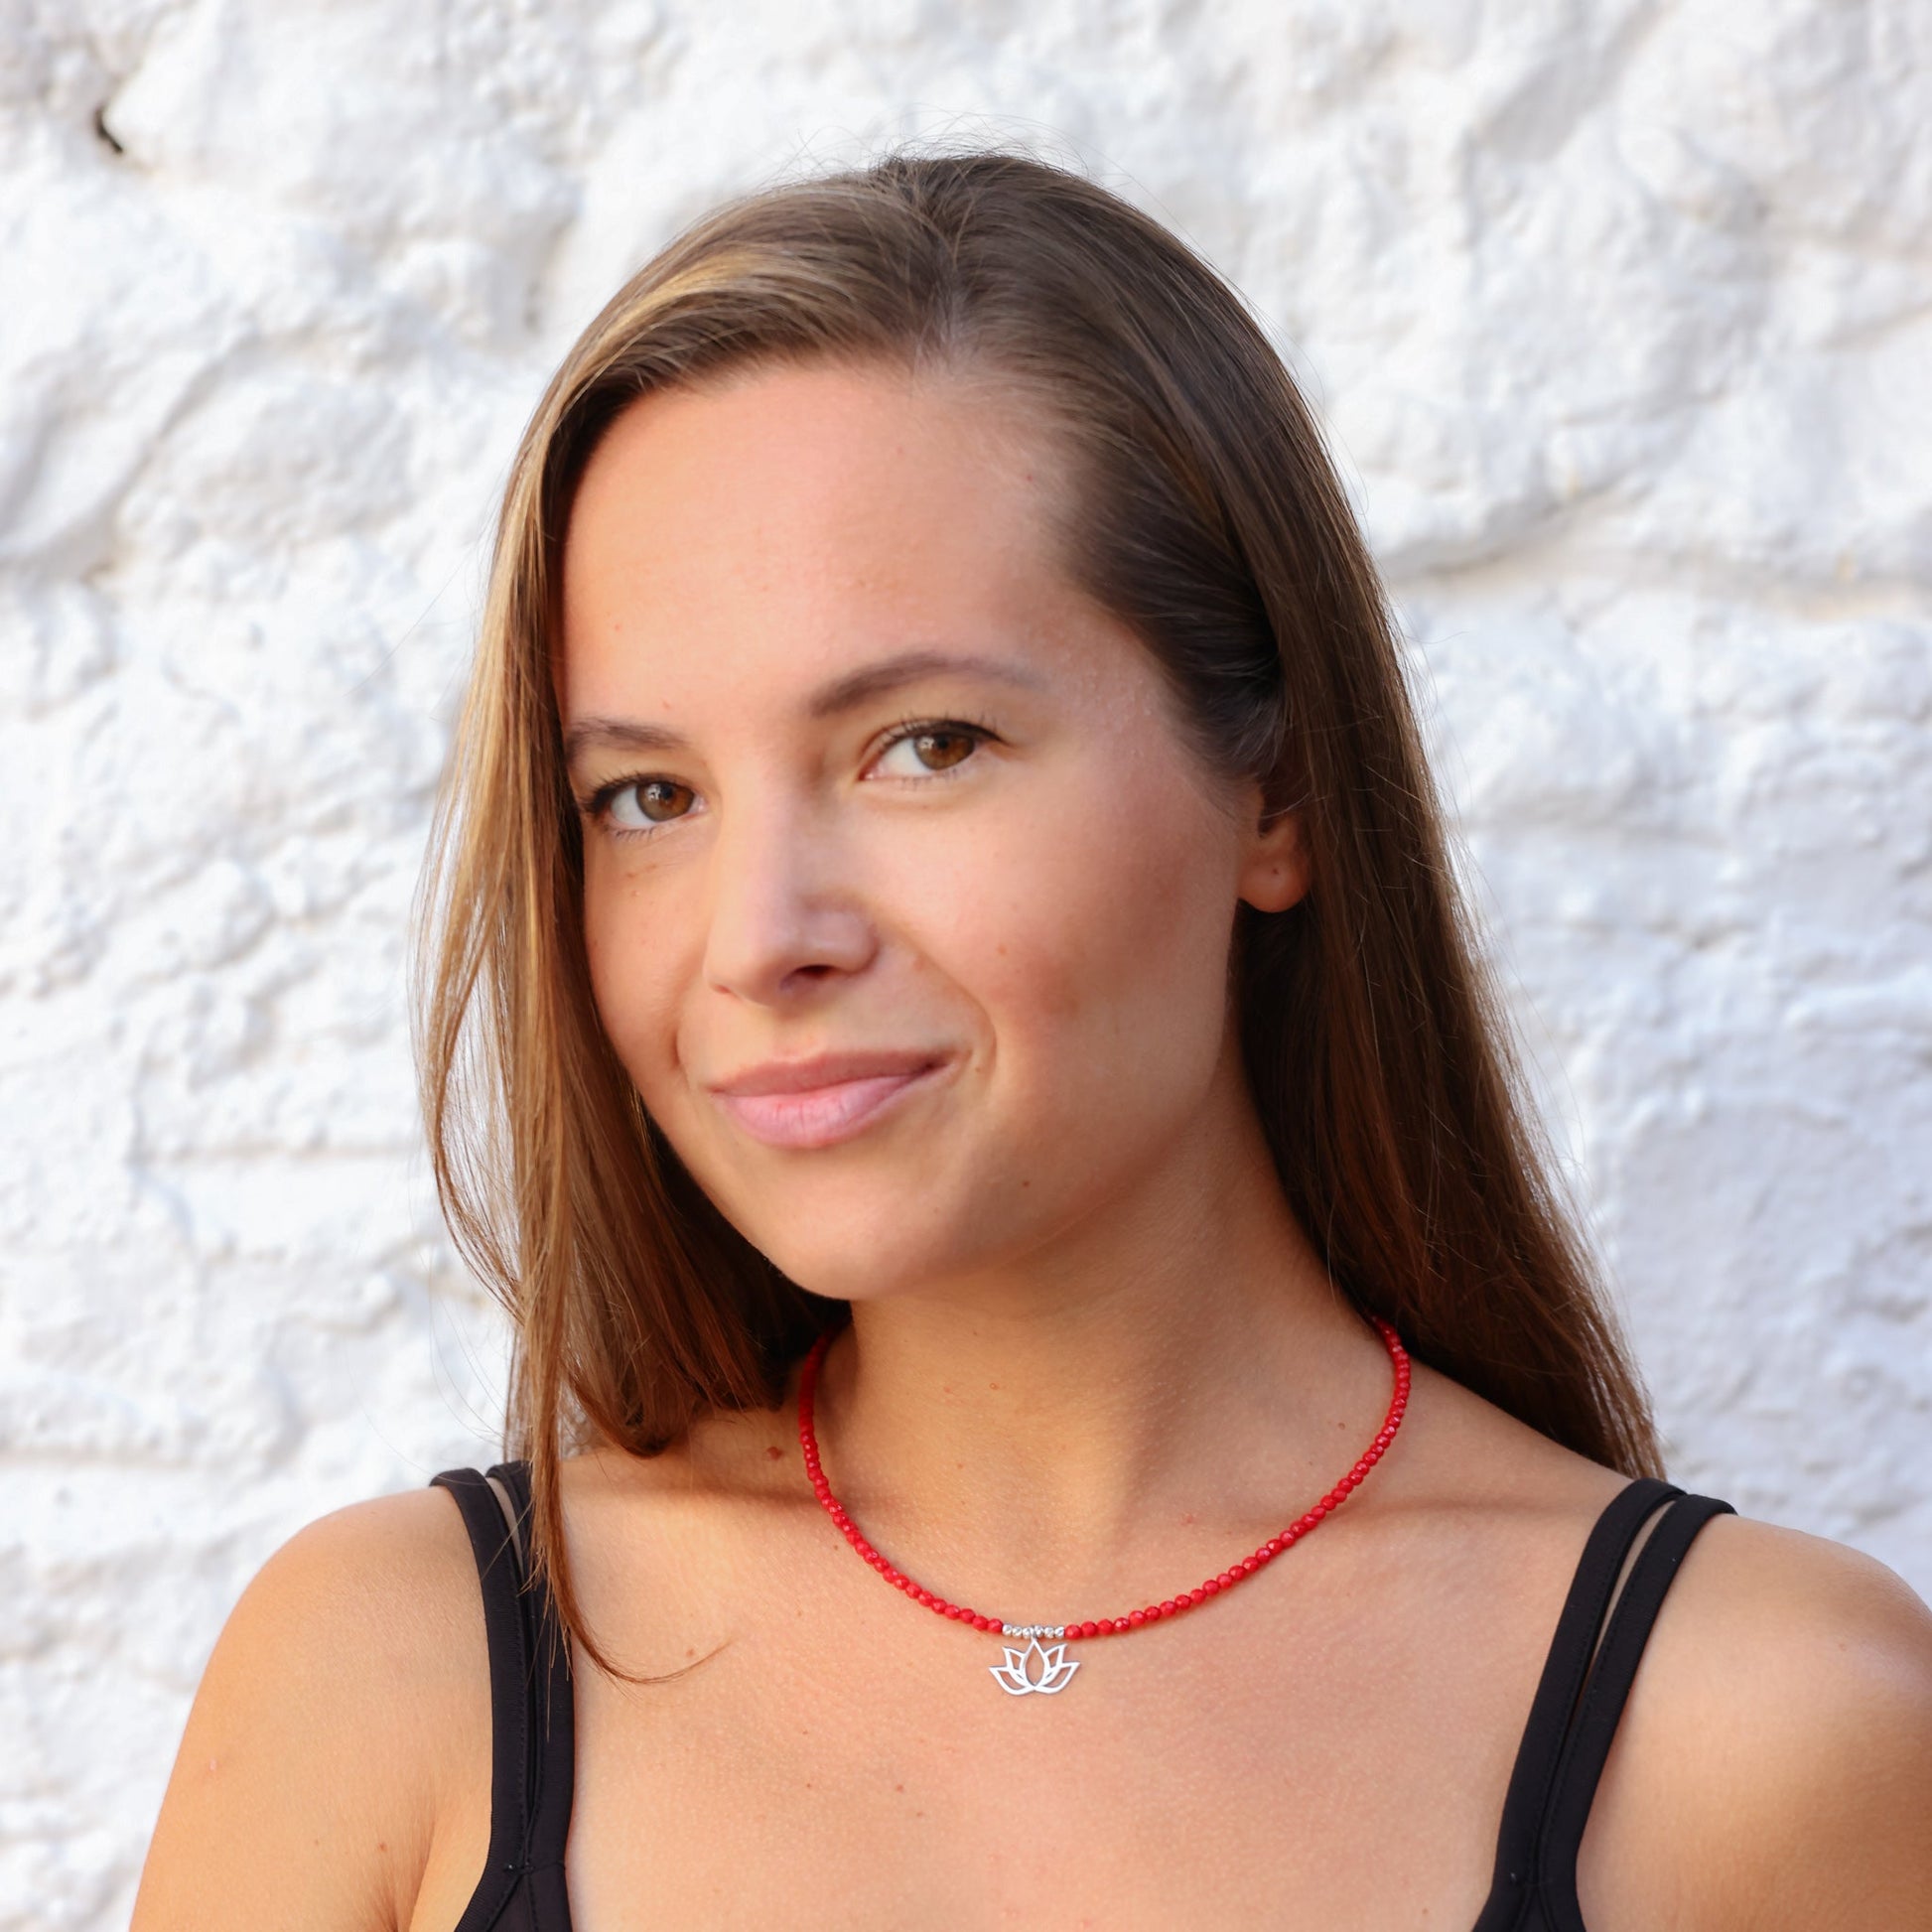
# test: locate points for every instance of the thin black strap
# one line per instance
(1556, 1691)
(550, 1716)
(1589, 1743)
(490, 1539)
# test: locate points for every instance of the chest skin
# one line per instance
(1323, 1748)
(1257, 1775)
(1326, 1746)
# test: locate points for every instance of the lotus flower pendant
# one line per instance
(1020, 1674)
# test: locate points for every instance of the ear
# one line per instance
(1274, 856)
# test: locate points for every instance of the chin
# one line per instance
(946, 1215)
(864, 1255)
(854, 1269)
(885, 1227)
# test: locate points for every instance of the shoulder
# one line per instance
(341, 1722)
(375, 1603)
(1802, 1653)
(1783, 1727)
(1773, 1765)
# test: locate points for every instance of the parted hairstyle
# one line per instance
(1207, 515)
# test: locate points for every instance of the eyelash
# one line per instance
(598, 805)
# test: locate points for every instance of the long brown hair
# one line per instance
(1208, 516)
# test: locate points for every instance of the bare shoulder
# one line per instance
(342, 1724)
(1799, 1599)
(1801, 1653)
(1777, 1749)
(1773, 1765)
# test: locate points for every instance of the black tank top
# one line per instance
(1571, 1721)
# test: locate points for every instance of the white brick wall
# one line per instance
(1621, 314)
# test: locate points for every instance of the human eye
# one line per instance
(626, 807)
(949, 743)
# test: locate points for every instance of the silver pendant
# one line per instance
(1020, 1674)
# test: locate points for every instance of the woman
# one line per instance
(952, 1029)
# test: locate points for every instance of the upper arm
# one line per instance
(342, 1722)
(1780, 1753)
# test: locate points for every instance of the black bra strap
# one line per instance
(530, 1705)
(1564, 1670)
(490, 1539)
(1589, 1743)
(1579, 1700)
(552, 1713)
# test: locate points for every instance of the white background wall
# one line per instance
(1621, 314)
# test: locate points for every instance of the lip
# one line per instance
(822, 1101)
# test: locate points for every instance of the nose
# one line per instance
(787, 912)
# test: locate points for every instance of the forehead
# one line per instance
(795, 517)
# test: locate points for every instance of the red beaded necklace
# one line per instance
(1036, 1669)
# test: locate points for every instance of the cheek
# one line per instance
(629, 939)
(1104, 970)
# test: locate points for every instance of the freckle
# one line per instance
(691, 1653)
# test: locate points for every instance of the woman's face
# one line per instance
(870, 782)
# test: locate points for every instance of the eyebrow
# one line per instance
(841, 694)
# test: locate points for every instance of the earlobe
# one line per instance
(1275, 871)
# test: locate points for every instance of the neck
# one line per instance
(1177, 1374)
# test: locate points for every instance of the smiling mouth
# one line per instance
(821, 1116)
